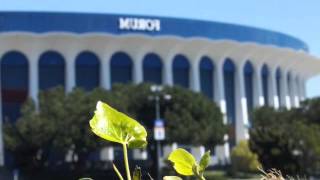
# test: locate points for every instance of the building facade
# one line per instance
(236, 66)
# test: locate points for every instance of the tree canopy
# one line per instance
(288, 139)
(190, 118)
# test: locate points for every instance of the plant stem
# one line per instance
(200, 176)
(117, 171)
(126, 162)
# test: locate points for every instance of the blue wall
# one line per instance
(265, 80)
(14, 84)
(279, 86)
(152, 68)
(229, 71)
(51, 70)
(206, 77)
(180, 71)
(248, 79)
(87, 71)
(121, 67)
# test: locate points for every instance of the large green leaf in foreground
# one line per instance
(185, 164)
(115, 126)
(183, 161)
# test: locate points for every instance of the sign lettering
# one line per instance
(139, 24)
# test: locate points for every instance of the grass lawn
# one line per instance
(221, 175)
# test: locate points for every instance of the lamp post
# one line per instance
(159, 131)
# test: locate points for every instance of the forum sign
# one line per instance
(139, 24)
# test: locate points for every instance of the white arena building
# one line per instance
(238, 67)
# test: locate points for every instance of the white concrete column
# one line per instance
(296, 92)
(34, 76)
(195, 76)
(258, 88)
(284, 95)
(105, 73)
(241, 121)
(137, 73)
(140, 154)
(70, 73)
(273, 97)
(1, 124)
(198, 151)
(300, 87)
(222, 151)
(167, 71)
(292, 91)
(220, 92)
(303, 89)
(107, 153)
(288, 92)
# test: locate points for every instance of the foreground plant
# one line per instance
(185, 164)
(272, 174)
(115, 126)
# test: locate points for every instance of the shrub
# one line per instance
(288, 140)
(243, 159)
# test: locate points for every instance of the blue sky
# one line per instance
(300, 18)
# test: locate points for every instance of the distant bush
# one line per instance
(243, 159)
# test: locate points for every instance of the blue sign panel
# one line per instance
(158, 123)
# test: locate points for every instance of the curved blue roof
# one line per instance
(43, 22)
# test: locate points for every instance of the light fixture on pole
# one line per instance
(159, 128)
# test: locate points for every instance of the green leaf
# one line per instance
(137, 144)
(183, 161)
(137, 173)
(172, 178)
(115, 126)
(205, 160)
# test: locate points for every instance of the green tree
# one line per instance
(286, 140)
(310, 109)
(190, 117)
(33, 136)
(193, 112)
(57, 126)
